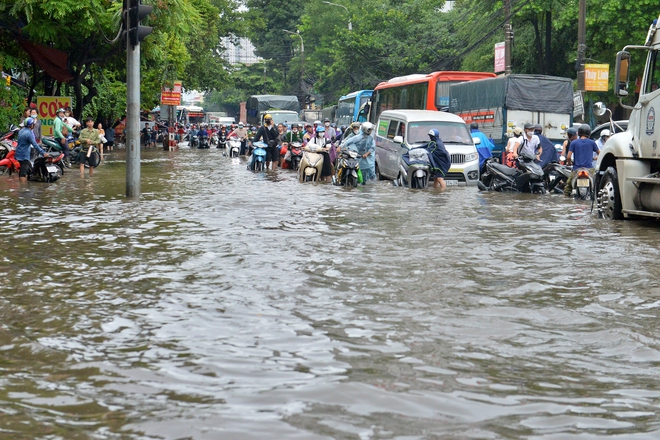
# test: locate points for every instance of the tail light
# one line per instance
(583, 174)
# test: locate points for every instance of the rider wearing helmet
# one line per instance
(330, 132)
(485, 147)
(581, 152)
(58, 124)
(571, 135)
(548, 150)
(241, 133)
(531, 143)
(268, 133)
(26, 140)
(439, 158)
(322, 146)
(365, 145)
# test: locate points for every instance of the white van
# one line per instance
(413, 126)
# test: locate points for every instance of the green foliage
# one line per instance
(12, 103)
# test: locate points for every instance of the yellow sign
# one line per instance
(47, 107)
(596, 77)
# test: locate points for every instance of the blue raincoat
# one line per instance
(363, 143)
(485, 148)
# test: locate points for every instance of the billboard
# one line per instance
(596, 77)
(500, 57)
(47, 109)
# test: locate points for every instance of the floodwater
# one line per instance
(231, 305)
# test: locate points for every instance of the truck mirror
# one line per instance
(622, 73)
(599, 109)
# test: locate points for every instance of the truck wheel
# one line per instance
(609, 196)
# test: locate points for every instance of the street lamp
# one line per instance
(350, 26)
(302, 59)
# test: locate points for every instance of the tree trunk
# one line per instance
(538, 44)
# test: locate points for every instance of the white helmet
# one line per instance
(367, 127)
(605, 132)
(240, 124)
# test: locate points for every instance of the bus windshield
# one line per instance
(450, 132)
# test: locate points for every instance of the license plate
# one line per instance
(583, 183)
(451, 182)
(51, 169)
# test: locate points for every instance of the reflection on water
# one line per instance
(226, 304)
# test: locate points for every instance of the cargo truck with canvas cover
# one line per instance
(499, 104)
(282, 108)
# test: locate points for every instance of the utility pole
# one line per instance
(582, 43)
(508, 37)
(134, 33)
(302, 65)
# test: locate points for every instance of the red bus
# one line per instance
(418, 92)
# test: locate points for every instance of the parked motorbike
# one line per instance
(45, 168)
(415, 169)
(8, 141)
(583, 184)
(555, 176)
(348, 169)
(234, 147)
(528, 177)
(311, 164)
(258, 159)
(9, 164)
(52, 145)
(296, 155)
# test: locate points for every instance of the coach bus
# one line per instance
(348, 107)
(418, 92)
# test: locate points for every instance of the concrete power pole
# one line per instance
(508, 37)
(582, 46)
(132, 120)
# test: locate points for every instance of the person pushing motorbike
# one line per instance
(439, 158)
(26, 140)
(365, 145)
(268, 133)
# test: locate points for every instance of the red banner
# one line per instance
(170, 98)
(480, 117)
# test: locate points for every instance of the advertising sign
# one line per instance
(171, 97)
(500, 57)
(480, 117)
(578, 104)
(596, 77)
(47, 108)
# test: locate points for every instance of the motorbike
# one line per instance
(221, 141)
(92, 152)
(234, 147)
(311, 164)
(9, 164)
(258, 162)
(214, 139)
(203, 143)
(194, 141)
(528, 177)
(45, 168)
(52, 145)
(583, 184)
(296, 155)
(415, 169)
(555, 176)
(348, 169)
(7, 141)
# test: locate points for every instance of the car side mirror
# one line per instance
(476, 141)
(398, 139)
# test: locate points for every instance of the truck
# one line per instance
(627, 179)
(500, 104)
(282, 108)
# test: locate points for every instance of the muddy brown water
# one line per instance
(231, 305)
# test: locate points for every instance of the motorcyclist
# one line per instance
(365, 145)
(548, 150)
(26, 140)
(571, 135)
(321, 145)
(485, 147)
(241, 133)
(268, 133)
(353, 130)
(531, 142)
(439, 158)
(582, 152)
(58, 123)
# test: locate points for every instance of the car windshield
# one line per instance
(450, 132)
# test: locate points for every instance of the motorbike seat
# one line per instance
(504, 169)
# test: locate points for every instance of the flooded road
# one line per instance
(232, 305)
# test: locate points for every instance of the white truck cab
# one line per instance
(628, 167)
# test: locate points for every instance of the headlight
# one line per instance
(471, 156)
